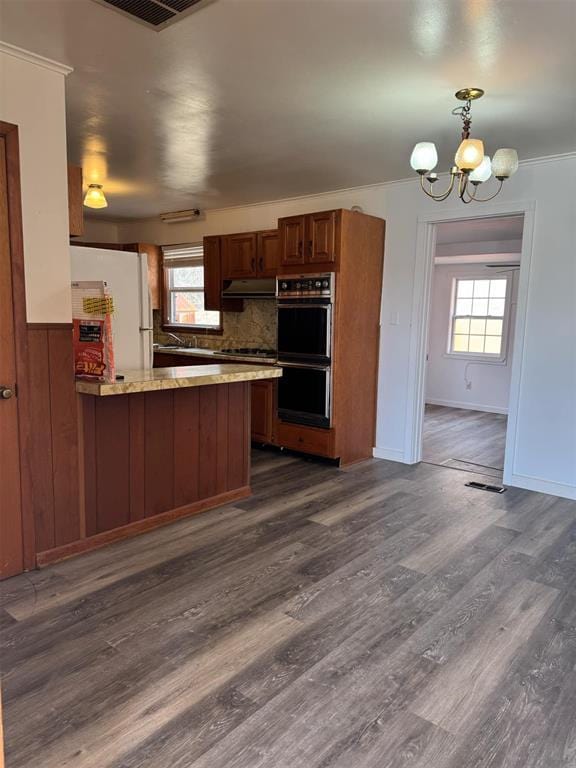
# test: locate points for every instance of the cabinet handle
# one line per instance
(261, 265)
(253, 263)
(310, 247)
(300, 248)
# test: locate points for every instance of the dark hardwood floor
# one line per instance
(384, 616)
(461, 439)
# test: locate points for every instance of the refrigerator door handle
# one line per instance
(146, 316)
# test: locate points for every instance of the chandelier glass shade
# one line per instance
(471, 166)
(469, 155)
(94, 197)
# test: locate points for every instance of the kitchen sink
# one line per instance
(176, 348)
(171, 347)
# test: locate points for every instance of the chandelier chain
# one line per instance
(465, 113)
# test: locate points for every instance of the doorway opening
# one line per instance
(470, 343)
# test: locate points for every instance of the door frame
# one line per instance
(9, 132)
(420, 316)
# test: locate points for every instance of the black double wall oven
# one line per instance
(305, 307)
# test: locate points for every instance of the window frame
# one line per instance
(168, 323)
(486, 357)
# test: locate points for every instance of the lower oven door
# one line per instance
(304, 394)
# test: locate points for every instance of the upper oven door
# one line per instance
(305, 332)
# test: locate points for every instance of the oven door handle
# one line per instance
(305, 366)
(281, 305)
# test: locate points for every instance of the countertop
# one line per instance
(174, 378)
(216, 354)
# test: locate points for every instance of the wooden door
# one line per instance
(13, 558)
(268, 253)
(262, 411)
(240, 256)
(292, 231)
(321, 238)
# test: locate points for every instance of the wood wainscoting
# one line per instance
(55, 444)
(149, 458)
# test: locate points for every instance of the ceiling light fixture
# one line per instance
(471, 165)
(94, 197)
(177, 216)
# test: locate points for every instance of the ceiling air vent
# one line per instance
(155, 13)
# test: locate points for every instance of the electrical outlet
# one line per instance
(468, 385)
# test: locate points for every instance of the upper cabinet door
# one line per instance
(292, 231)
(240, 256)
(268, 243)
(212, 274)
(321, 243)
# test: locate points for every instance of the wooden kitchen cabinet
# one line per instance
(155, 277)
(213, 280)
(350, 243)
(240, 256)
(250, 255)
(321, 232)
(263, 411)
(75, 201)
(212, 274)
(292, 233)
(308, 241)
(267, 253)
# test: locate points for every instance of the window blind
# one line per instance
(187, 255)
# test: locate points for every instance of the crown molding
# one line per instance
(34, 58)
(381, 185)
(377, 185)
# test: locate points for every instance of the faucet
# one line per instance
(183, 342)
(180, 341)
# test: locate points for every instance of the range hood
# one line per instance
(250, 289)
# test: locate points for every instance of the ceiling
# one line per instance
(253, 100)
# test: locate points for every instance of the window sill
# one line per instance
(196, 330)
(471, 358)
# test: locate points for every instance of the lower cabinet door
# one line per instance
(262, 411)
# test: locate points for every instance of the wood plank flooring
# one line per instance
(383, 616)
(461, 439)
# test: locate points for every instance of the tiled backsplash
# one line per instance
(254, 327)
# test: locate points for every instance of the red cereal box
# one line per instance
(92, 331)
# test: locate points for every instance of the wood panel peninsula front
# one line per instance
(159, 445)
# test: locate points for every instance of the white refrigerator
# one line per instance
(126, 275)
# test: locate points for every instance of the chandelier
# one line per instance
(471, 166)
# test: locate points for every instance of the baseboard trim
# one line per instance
(540, 485)
(390, 454)
(139, 526)
(467, 406)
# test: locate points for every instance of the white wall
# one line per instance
(96, 231)
(546, 448)
(32, 97)
(446, 375)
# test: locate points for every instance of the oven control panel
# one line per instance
(305, 286)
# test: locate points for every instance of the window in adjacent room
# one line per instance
(479, 317)
(184, 289)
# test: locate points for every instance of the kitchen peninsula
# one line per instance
(161, 444)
